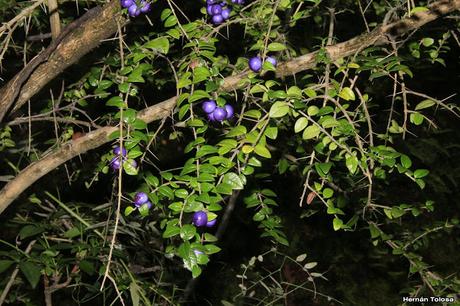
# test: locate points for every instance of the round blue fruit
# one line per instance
(126, 3)
(140, 198)
(271, 60)
(255, 64)
(200, 218)
(134, 11)
(145, 6)
(209, 9)
(220, 113)
(216, 9)
(209, 106)
(117, 151)
(229, 110)
(226, 13)
(115, 163)
(211, 117)
(217, 19)
(211, 223)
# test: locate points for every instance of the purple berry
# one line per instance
(209, 9)
(271, 60)
(255, 64)
(217, 19)
(115, 163)
(220, 113)
(145, 6)
(140, 198)
(226, 13)
(211, 117)
(209, 2)
(211, 223)
(117, 151)
(229, 110)
(133, 10)
(209, 106)
(126, 3)
(200, 218)
(149, 205)
(216, 9)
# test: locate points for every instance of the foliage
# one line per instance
(343, 131)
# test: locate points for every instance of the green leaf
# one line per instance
(279, 109)
(129, 210)
(300, 124)
(134, 291)
(196, 271)
(347, 94)
(276, 47)
(166, 191)
(425, 104)
(170, 21)
(416, 118)
(427, 41)
(31, 271)
(5, 264)
(419, 173)
(171, 230)
(237, 131)
(73, 232)
(136, 75)
(310, 132)
(261, 150)
(198, 95)
(352, 163)
(406, 161)
(323, 168)
(129, 168)
(87, 267)
(271, 132)
(187, 232)
(328, 193)
(337, 224)
(160, 44)
(211, 249)
(312, 110)
(418, 9)
(29, 231)
(115, 101)
(224, 188)
(200, 74)
(233, 180)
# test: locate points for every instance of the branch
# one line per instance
(92, 140)
(77, 39)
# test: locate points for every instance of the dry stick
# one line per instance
(55, 21)
(24, 13)
(100, 136)
(14, 274)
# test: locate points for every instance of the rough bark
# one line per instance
(92, 140)
(76, 40)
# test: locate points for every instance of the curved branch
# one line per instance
(92, 140)
(77, 39)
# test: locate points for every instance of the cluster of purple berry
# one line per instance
(140, 199)
(219, 10)
(120, 156)
(255, 63)
(216, 113)
(135, 8)
(200, 219)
